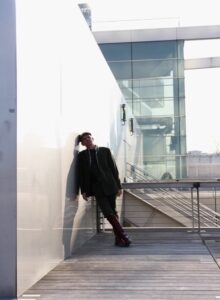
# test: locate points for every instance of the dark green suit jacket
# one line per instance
(108, 181)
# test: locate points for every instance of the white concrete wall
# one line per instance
(7, 149)
(64, 87)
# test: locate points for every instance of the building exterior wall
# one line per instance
(151, 77)
(203, 165)
(64, 87)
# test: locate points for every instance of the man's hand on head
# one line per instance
(84, 196)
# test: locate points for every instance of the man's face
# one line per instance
(87, 141)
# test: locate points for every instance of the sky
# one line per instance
(201, 86)
(184, 13)
(202, 99)
(202, 110)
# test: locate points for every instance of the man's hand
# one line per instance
(84, 196)
(119, 193)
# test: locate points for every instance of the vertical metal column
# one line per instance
(8, 151)
(215, 199)
(193, 215)
(216, 218)
(196, 185)
(98, 219)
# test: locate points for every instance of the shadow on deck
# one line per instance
(172, 264)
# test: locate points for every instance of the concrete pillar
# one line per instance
(8, 248)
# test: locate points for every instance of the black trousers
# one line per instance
(107, 204)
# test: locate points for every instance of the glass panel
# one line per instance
(180, 49)
(121, 70)
(116, 52)
(180, 82)
(126, 88)
(153, 85)
(153, 91)
(157, 107)
(166, 81)
(136, 108)
(180, 67)
(154, 50)
(154, 145)
(182, 126)
(182, 106)
(155, 125)
(125, 83)
(145, 109)
(173, 144)
(158, 92)
(158, 166)
(183, 144)
(156, 68)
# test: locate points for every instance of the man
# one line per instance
(98, 176)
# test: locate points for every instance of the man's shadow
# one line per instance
(71, 203)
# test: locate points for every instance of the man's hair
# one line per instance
(81, 136)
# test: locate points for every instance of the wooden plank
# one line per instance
(158, 265)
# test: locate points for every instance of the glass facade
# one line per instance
(151, 77)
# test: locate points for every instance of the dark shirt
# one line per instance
(94, 169)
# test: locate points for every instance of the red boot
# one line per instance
(120, 242)
(121, 239)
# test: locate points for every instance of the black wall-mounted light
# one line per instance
(131, 126)
(124, 119)
(123, 114)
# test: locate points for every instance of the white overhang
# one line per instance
(202, 63)
(158, 34)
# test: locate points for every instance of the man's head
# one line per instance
(86, 139)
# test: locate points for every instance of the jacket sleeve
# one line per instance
(114, 169)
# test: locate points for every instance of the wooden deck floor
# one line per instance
(158, 265)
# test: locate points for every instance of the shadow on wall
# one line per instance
(71, 204)
(72, 186)
(79, 219)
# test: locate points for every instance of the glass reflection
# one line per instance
(151, 78)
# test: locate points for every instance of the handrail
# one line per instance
(138, 179)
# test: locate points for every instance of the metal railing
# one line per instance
(175, 198)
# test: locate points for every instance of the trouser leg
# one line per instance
(121, 238)
(107, 204)
(108, 207)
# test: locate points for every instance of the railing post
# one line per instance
(196, 185)
(98, 219)
(216, 218)
(215, 199)
(204, 216)
(192, 201)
